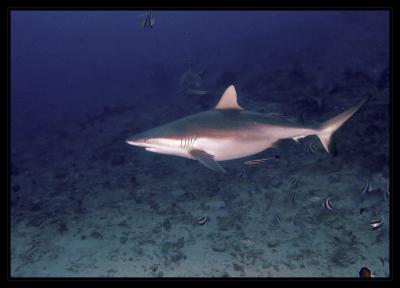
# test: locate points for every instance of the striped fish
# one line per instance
(293, 196)
(366, 188)
(387, 191)
(243, 173)
(376, 222)
(313, 149)
(293, 181)
(382, 260)
(327, 203)
(277, 218)
(148, 21)
(202, 220)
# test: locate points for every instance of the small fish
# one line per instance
(148, 21)
(366, 188)
(277, 115)
(243, 173)
(293, 196)
(202, 220)
(327, 203)
(382, 260)
(376, 222)
(313, 149)
(258, 161)
(316, 147)
(387, 191)
(293, 181)
(365, 273)
(277, 218)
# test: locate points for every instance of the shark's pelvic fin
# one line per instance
(207, 160)
(297, 138)
(327, 128)
(228, 99)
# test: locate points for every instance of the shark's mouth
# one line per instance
(152, 149)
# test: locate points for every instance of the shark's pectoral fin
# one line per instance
(297, 138)
(207, 160)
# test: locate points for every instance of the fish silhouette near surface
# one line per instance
(191, 82)
(230, 132)
(148, 21)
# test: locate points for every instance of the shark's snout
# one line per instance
(137, 141)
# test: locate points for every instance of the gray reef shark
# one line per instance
(229, 132)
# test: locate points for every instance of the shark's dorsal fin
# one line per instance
(228, 99)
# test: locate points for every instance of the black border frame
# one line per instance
(384, 5)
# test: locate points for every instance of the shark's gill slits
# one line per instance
(188, 143)
(191, 143)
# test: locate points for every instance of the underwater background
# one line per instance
(84, 203)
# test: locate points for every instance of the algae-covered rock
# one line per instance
(218, 245)
(225, 223)
(169, 247)
(238, 267)
(272, 243)
(328, 217)
(166, 225)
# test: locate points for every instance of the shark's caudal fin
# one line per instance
(327, 128)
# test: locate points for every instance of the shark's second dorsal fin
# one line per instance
(228, 99)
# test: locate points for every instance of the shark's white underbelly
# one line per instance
(229, 149)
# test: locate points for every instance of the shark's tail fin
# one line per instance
(328, 127)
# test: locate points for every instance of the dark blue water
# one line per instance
(83, 81)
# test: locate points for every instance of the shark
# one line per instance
(229, 132)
